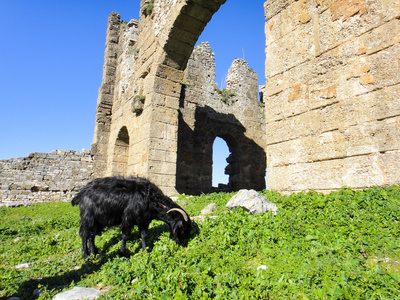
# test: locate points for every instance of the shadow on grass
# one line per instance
(29, 289)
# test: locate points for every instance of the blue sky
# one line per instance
(51, 63)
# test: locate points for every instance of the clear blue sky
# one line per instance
(51, 63)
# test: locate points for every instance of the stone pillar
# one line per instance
(99, 147)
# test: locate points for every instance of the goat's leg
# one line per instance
(84, 247)
(83, 232)
(92, 246)
(87, 235)
(126, 233)
(143, 235)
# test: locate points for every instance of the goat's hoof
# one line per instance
(123, 254)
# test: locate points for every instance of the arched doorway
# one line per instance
(220, 178)
(121, 153)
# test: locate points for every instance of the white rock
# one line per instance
(134, 280)
(209, 209)
(252, 202)
(23, 266)
(78, 293)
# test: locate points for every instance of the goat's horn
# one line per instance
(181, 211)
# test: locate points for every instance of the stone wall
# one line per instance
(130, 131)
(43, 177)
(331, 115)
(332, 102)
(233, 114)
(142, 141)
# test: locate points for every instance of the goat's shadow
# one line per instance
(28, 289)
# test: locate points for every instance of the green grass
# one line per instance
(344, 245)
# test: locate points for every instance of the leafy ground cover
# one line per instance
(344, 245)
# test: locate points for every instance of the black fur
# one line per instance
(112, 201)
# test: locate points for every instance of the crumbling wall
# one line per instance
(44, 177)
(332, 93)
(166, 35)
(233, 114)
(331, 97)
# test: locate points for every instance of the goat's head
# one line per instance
(180, 229)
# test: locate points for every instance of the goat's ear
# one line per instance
(162, 205)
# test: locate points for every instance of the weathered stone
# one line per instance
(78, 293)
(43, 177)
(23, 266)
(209, 209)
(331, 113)
(170, 92)
(252, 202)
(331, 98)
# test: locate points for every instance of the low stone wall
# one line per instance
(44, 177)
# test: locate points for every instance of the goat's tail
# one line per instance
(76, 199)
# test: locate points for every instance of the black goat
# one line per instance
(111, 201)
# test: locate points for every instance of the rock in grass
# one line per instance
(209, 209)
(23, 266)
(262, 268)
(78, 293)
(252, 202)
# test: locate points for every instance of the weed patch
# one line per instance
(343, 245)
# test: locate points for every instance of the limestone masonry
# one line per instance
(42, 177)
(160, 110)
(332, 97)
(331, 108)
(329, 114)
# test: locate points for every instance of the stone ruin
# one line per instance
(331, 100)
(330, 110)
(181, 149)
(43, 177)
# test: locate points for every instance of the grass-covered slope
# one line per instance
(345, 245)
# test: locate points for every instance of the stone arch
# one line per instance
(232, 169)
(159, 57)
(220, 155)
(119, 164)
(247, 160)
(177, 26)
(166, 40)
(190, 22)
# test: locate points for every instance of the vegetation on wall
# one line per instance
(227, 96)
(137, 104)
(344, 245)
(149, 8)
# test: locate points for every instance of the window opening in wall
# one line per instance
(121, 153)
(220, 154)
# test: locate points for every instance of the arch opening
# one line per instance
(121, 153)
(221, 152)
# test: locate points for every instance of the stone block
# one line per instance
(378, 39)
(359, 172)
(290, 51)
(274, 7)
(166, 72)
(252, 202)
(355, 140)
